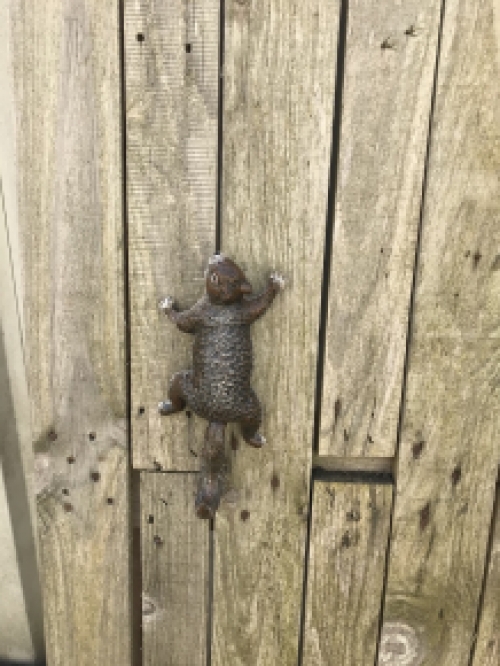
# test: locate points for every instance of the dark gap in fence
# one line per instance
(135, 572)
(210, 601)
(347, 475)
(487, 562)
(220, 111)
(411, 307)
(330, 215)
(329, 227)
(303, 609)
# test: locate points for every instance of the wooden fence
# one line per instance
(352, 145)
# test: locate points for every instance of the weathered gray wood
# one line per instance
(279, 74)
(349, 533)
(175, 572)
(21, 618)
(172, 53)
(386, 103)
(487, 649)
(450, 441)
(66, 63)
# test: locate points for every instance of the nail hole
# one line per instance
(245, 514)
(68, 507)
(151, 519)
(157, 466)
(141, 410)
(92, 436)
(71, 460)
(139, 37)
(338, 408)
(158, 540)
(346, 540)
(110, 500)
(95, 476)
(188, 414)
(52, 435)
(425, 516)
(456, 475)
(417, 449)
(65, 491)
(188, 48)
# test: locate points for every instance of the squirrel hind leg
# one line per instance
(177, 399)
(251, 421)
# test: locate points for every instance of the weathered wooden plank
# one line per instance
(279, 74)
(348, 543)
(389, 68)
(175, 572)
(487, 649)
(450, 449)
(70, 208)
(21, 617)
(172, 75)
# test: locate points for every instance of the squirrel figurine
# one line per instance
(217, 388)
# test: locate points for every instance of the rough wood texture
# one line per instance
(175, 572)
(21, 618)
(349, 533)
(450, 442)
(70, 205)
(279, 73)
(385, 115)
(487, 649)
(172, 55)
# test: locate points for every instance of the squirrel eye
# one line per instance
(214, 278)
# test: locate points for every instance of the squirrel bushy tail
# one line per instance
(213, 474)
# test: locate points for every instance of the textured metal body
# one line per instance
(217, 387)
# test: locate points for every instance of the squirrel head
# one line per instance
(225, 281)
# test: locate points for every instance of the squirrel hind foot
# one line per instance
(257, 440)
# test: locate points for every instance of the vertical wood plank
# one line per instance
(450, 449)
(487, 649)
(70, 205)
(175, 571)
(349, 534)
(389, 70)
(279, 76)
(172, 56)
(21, 616)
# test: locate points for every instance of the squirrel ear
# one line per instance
(246, 288)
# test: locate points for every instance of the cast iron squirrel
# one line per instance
(217, 388)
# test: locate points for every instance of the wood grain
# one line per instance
(172, 55)
(175, 572)
(348, 543)
(279, 74)
(487, 648)
(66, 68)
(385, 114)
(450, 449)
(21, 615)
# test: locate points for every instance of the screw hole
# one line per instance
(140, 37)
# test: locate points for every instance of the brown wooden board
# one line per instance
(348, 543)
(487, 646)
(175, 572)
(279, 76)
(66, 70)
(171, 58)
(389, 69)
(450, 438)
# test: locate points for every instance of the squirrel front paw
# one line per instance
(166, 305)
(277, 280)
